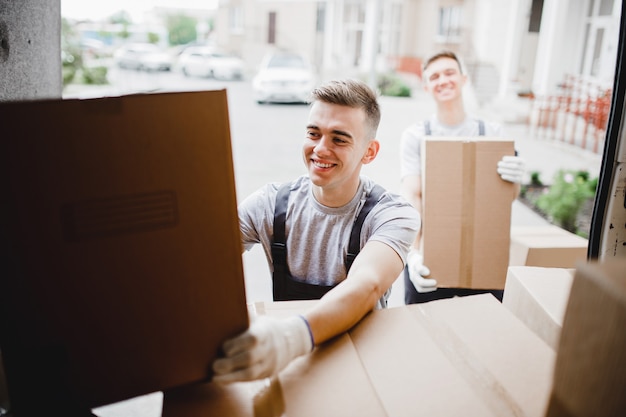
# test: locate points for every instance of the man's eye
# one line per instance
(340, 140)
(311, 135)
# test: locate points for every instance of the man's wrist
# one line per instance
(308, 326)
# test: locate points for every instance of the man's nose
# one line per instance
(323, 145)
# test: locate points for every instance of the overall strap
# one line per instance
(354, 247)
(279, 248)
(427, 130)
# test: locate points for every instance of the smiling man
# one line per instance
(443, 79)
(332, 235)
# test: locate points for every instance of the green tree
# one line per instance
(71, 54)
(153, 37)
(181, 29)
(124, 19)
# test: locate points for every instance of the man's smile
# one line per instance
(321, 164)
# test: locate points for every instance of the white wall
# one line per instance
(30, 49)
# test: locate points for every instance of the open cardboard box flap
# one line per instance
(467, 356)
(539, 296)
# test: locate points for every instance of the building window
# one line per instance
(534, 23)
(235, 19)
(450, 23)
(605, 8)
(321, 18)
(271, 28)
(390, 28)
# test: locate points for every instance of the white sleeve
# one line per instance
(410, 150)
(256, 215)
(493, 129)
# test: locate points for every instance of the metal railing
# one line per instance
(577, 114)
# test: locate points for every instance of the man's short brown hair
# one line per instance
(351, 93)
(443, 54)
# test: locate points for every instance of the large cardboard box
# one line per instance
(590, 370)
(122, 271)
(546, 246)
(461, 356)
(538, 297)
(466, 211)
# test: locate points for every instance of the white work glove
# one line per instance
(417, 272)
(264, 349)
(512, 169)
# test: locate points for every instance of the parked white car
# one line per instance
(284, 77)
(202, 61)
(142, 56)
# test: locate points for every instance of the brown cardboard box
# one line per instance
(121, 247)
(461, 356)
(547, 246)
(538, 297)
(466, 211)
(590, 370)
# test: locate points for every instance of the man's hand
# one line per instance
(512, 169)
(417, 272)
(264, 349)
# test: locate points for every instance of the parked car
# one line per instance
(202, 61)
(284, 77)
(142, 56)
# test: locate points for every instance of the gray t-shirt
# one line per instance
(411, 140)
(317, 236)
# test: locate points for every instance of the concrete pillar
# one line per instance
(371, 37)
(553, 21)
(30, 49)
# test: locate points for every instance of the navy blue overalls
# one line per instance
(284, 286)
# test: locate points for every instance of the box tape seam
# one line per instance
(369, 379)
(467, 215)
(479, 378)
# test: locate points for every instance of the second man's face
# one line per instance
(443, 80)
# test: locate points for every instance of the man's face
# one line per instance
(336, 145)
(443, 80)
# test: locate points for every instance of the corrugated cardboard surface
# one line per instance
(538, 296)
(461, 356)
(546, 246)
(590, 370)
(466, 211)
(124, 273)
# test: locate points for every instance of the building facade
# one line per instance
(508, 46)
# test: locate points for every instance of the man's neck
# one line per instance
(335, 197)
(451, 113)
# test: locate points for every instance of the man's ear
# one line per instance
(372, 150)
(463, 80)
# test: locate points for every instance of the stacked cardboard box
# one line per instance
(461, 356)
(547, 246)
